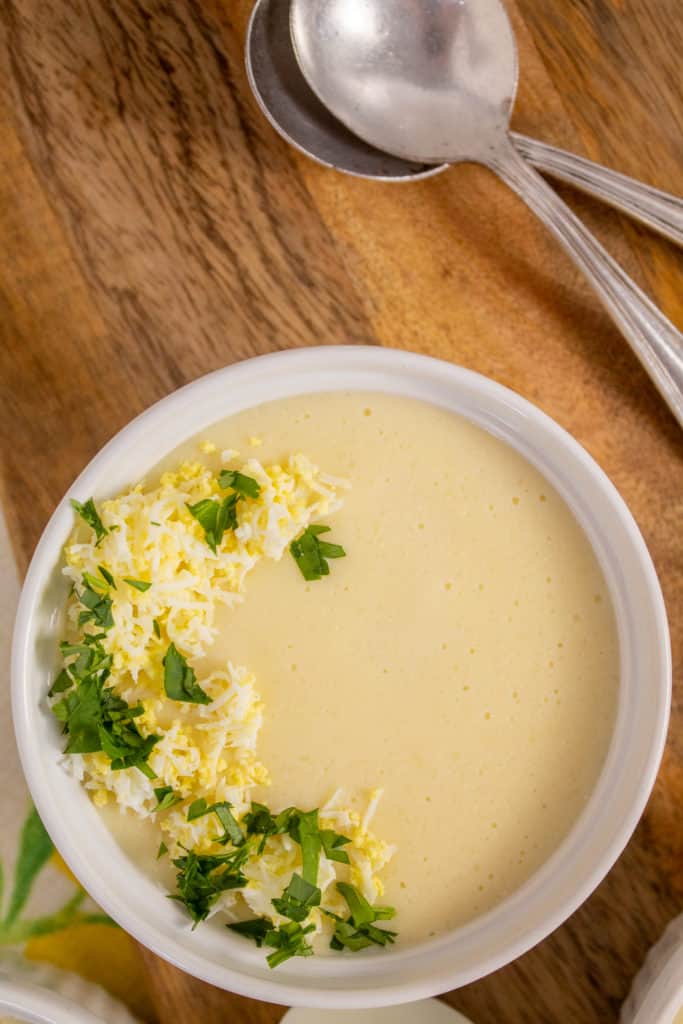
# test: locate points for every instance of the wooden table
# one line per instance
(153, 227)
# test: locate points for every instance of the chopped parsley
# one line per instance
(163, 848)
(359, 930)
(140, 585)
(331, 843)
(93, 716)
(166, 797)
(245, 486)
(106, 576)
(180, 681)
(256, 929)
(90, 515)
(304, 830)
(302, 827)
(202, 878)
(97, 603)
(288, 940)
(298, 899)
(311, 554)
(232, 832)
(215, 517)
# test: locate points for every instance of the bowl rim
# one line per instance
(429, 968)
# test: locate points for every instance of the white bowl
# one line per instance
(42, 994)
(564, 881)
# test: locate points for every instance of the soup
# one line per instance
(460, 663)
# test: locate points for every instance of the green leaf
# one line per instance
(233, 833)
(90, 515)
(95, 583)
(360, 931)
(215, 517)
(106, 575)
(245, 486)
(94, 717)
(197, 809)
(298, 899)
(255, 929)
(166, 797)
(308, 835)
(331, 842)
(362, 912)
(163, 848)
(98, 605)
(202, 878)
(140, 585)
(62, 683)
(311, 554)
(35, 849)
(288, 940)
(180, 681)
(346, 936)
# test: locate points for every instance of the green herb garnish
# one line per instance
(259, 821)
(288, 940)
(180, 681)
(97, 604)
(93, 716)
(245, 486)
(62, 682)
(311, 554)
(304, 830)
(89, 514)
(302, 827)
(232, 834)
(255, 929)
(215, 517)
(331, 843)
(201, 880)
(359, 931)
(298, 899)
(106, 576)
(166, 797)
(156, 627)
(163, 848)
(140, 585)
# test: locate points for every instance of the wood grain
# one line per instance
(152, 228)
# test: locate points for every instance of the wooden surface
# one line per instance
(152, 228)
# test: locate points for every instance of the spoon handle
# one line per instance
(656, 209)
(653, 338)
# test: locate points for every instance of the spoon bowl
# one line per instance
(431, 82)
(296, 113)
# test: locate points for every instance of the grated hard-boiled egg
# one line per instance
(206, 750)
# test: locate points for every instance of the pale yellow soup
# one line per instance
(463, 656)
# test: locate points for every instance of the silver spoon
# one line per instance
(301, 119)
(433, 81)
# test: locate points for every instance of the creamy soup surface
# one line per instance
(463, 656)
